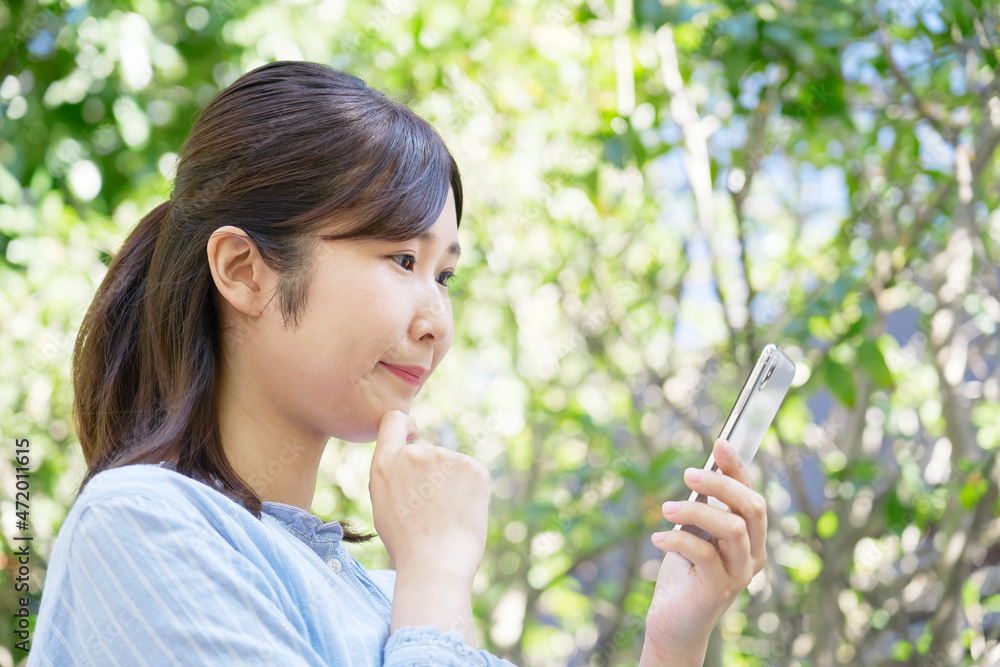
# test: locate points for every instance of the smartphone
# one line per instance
(755, 409)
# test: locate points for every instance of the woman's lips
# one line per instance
(412, 374)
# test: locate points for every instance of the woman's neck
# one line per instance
(277, 461)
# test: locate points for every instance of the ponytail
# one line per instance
(107, 380)
(144, 365)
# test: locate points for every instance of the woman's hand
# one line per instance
(430, 504)
(699, 580)
(430, 507)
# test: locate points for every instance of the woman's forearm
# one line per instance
(434, 598)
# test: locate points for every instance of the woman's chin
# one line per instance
(359, 437)
(362, 425)
(366, 431)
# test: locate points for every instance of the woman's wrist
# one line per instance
(438, 598)
(655, 656)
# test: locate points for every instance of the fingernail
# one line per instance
(670, 506)
(659, 537)
(694, 474)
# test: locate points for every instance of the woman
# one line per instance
(294, 289)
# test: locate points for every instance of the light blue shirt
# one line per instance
(154, 568)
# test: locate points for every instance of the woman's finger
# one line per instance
(392, 430)
(754, 509)
(729, 529)
(730, 463)
(743, 501)
(702, 555)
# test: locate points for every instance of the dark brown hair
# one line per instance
(287, 152)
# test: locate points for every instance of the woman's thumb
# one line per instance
(395, 430)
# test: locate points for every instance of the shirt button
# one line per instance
(335, 564)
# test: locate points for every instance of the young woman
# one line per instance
(294, 289)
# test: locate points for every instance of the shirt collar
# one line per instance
(306, 525)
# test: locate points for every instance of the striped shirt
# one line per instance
(154, 568)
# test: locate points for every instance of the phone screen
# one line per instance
(751, 416)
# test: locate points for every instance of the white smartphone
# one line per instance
(755, 409)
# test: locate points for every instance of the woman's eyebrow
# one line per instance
(431, 237)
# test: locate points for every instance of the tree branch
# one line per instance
(632, 564)
(946, 132)
(696, 157)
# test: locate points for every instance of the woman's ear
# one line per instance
(239, 272)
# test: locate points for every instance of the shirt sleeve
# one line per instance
(145, 582)
(385, 580)
(426, 646)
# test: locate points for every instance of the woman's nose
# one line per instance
(432, 318)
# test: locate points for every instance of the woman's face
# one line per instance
(376, 323)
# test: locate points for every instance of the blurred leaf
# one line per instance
(820, 327)
(793, 418)
(863, 471)
(826, 525)
(970, 594)
(802, 562)
(902, 650)
(873, 361)
(839, 379)
(973, 490)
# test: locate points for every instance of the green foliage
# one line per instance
(607, 309)
(902, 650)
(841, 382)
(826, 525)
(872, 360)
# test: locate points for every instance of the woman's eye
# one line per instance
(408, 261)
(405, 261)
